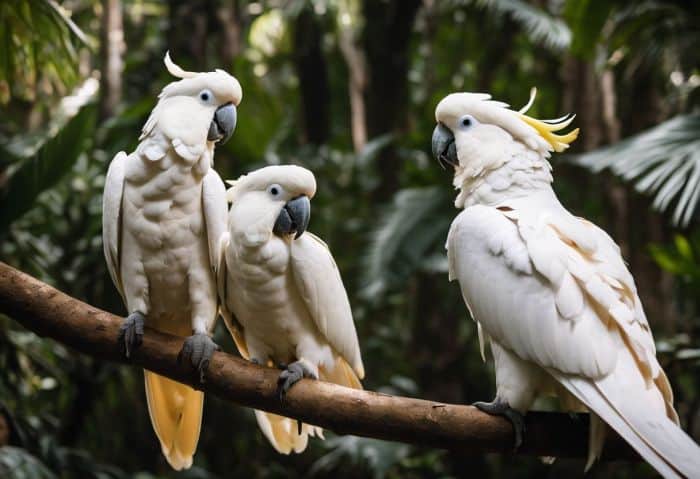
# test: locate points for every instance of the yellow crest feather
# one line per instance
(547, 128)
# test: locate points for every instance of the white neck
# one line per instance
(526, 173)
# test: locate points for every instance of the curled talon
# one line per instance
(499, 407)
(294, 373)
(131, 333)
(197, 350)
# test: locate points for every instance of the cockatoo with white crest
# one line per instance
(164, 210)
(282, 296)
(549, 291)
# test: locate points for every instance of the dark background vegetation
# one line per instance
(346, 88)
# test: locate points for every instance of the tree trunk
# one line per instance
(231, 18)
(386, 40)
(311, 70)
(357, 69)
(111, 50)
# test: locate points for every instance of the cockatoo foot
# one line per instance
(197, 350)
(498, 407)
(294, 373)
(131, 333)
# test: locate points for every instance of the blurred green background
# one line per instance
(346, 88)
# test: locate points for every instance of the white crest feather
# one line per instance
(175, 70)
(533, 94)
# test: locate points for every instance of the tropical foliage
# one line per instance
(346, 88)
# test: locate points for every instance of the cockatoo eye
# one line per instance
(466, 122)
(275, 190)
(205, 96)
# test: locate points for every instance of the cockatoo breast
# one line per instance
(163, 226)
(263, 296)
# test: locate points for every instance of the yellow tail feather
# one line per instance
(176, 415)
(283, 432)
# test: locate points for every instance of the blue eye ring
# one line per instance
(466, 122)
(274, 190)
(205, 95)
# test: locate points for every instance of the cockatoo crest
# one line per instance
(295, 180)
(175, 69)
(539, 135)
(185, 107)
(547, 128)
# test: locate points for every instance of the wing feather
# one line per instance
(112, 218)
(232, 324)
(565, 313)
(214, 206)
(319, 283)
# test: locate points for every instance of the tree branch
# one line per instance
(49, 312)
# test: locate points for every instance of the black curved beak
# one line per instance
(444, 148)
(222, 125)
(294, 217)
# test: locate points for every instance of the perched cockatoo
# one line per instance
(282, 296)
(549, 291)
(164, 211)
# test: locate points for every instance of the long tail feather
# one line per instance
(649, 431)
(176, 415)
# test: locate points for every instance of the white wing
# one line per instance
(112, 219)
(232, 324)
(554, 290)
(515, 305)
(214, 206)
(319, 283)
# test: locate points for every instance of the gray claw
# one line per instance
(197, 350)
(131, 333)
(294, 373)
(501, 408)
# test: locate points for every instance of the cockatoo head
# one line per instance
(476, 133)
(274, 199)
(199, 107)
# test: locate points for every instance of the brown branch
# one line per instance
(49, 312)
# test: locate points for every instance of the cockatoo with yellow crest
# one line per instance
(549, 291)
(283, 299)
(164, 210)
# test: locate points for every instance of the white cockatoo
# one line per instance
(164, 211)
(549, 291)
(282, 296)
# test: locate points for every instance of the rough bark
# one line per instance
(49, 312)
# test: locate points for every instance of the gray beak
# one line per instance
(444, 148)
(294, 217)
(222, 125)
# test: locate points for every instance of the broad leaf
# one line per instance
(664, 160)
(53, 160)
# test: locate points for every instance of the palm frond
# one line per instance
(18, 463)
(664, 160)
(52, 161)
(408, 231)
(540, 26)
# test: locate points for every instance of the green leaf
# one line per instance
(664, 160)
(416, 221)
(16, 463)
(684, 248)
(586, 19)
(539, 25)
(53, 160)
